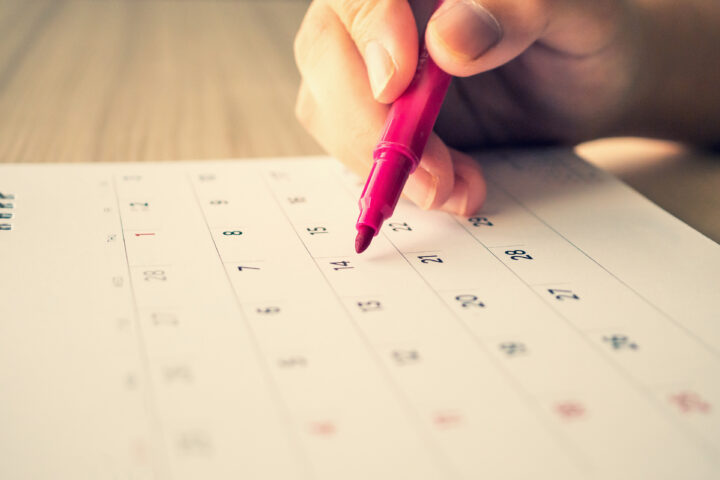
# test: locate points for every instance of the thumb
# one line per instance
(385, 34)
(467, 37)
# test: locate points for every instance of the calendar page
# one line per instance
(211, 320)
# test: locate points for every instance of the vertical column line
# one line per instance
(400, 396)
(161, 471)
(272, 386)
(629, 378)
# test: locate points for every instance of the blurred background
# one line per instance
(148, 80)
(109, 80)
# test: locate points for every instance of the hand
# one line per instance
(557, 71)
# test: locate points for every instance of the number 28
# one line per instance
(518, 255)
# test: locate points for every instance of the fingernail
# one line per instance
(380, 67)
(458, 201)
(465, 29)
(422, 188)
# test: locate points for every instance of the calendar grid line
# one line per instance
(372, 353)
(578, 458)
(627, 376)
(424, 251)
(151, 265)
(321, 364)
(667, 316)
(581, 462)
(281, 403)
(150, 397)
(246, 260)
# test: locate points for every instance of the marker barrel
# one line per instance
(407, 129)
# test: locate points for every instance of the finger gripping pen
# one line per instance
(407, 128)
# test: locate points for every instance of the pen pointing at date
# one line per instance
(532, 72)
(407, 129)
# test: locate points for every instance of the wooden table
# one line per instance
(84, 81)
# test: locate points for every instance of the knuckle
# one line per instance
(358, 15)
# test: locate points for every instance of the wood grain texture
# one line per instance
(148, 80)
(144, 80)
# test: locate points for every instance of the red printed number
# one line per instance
(690, 402)
(323, 428)
(570, 410)
(447, 419)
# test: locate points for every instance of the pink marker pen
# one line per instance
(397, 155)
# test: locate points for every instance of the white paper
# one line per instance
(203, 320)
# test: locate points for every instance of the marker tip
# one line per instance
(364, 237)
